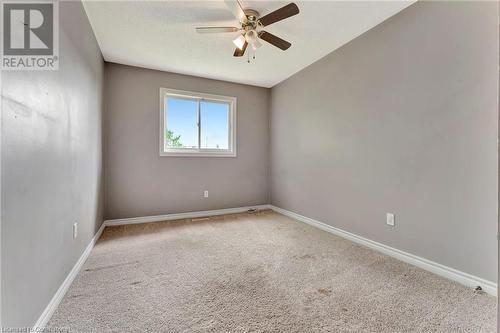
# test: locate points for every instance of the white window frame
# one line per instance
(198, 152)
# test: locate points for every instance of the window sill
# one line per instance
(196, 154)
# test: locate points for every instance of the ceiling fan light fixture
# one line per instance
(251, 36)
(250, 27)
(239, 41)
(256, 44)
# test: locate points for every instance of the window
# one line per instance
(195, 124)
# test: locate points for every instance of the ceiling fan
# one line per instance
(251, 25)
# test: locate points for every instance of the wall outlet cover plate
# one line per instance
(390, 219)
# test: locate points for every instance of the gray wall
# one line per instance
(51, 169)
(140, 183)
(403, 119)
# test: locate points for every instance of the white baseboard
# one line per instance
(444, 271)
(54, 302)
(178, 216)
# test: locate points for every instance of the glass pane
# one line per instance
(181, 123)
(214, 125)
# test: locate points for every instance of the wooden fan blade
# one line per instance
(274, 40)
(279, 14)
(209, 30)
(237, 10)
(240, 53)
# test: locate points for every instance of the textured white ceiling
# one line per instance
(161, 35)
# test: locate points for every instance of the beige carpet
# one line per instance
(258, 273)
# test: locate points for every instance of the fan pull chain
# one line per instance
(253, 56)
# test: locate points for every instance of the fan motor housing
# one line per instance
(252, 15)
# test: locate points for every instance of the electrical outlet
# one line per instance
(390, 219)
(205, 194)
(75, 230)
